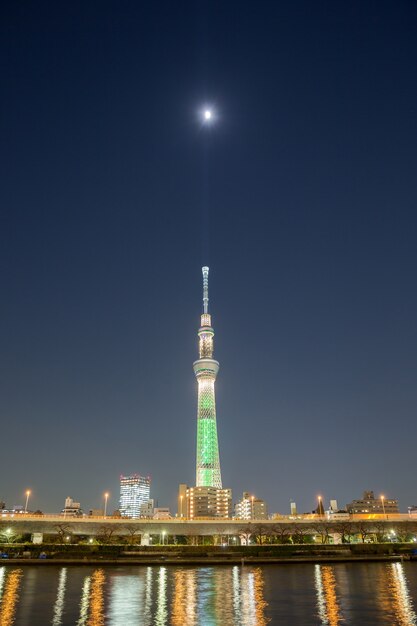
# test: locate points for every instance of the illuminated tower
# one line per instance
(206, 368)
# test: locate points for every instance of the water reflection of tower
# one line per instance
(218, 596)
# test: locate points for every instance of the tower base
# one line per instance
(208, 502)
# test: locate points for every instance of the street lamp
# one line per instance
(27, 500)
(320, 509)
(106, 497)
(383, 505)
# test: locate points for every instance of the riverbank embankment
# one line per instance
(111, 554)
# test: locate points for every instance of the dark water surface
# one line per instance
(344, 593)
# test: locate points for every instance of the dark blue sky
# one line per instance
(310, 185)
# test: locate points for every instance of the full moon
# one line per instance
(207, 115)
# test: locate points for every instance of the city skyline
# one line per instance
(298, 192)
(135, 489)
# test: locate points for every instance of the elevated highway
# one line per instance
(20, 524)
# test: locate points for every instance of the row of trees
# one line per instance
(324, 532)
(261, 534)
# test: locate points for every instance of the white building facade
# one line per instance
(134, 494)
(251, 508)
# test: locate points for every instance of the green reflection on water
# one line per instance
(217, 596)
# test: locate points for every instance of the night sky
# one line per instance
(301, 198)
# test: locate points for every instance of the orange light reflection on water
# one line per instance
(400, 597)
(184, 598)
(10, 597)
(260, 602)
(327, 604)
(329, 584)
(98, 579)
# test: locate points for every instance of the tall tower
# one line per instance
(206, 368)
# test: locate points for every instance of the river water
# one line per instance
(225, 595)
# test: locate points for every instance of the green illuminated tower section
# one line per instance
(208, 463)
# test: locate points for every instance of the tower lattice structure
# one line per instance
(205, 368)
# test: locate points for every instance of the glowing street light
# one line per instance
(28, 492)
(383, 505)
(106, 497)
(320, 509)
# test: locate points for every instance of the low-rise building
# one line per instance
(71, 508)
(370, 504)
(208, 502)
(162, 512)
(250, 507)
(96, 513)
(147, 509)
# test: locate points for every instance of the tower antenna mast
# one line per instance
(205, 289)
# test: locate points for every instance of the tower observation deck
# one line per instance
(205, 368)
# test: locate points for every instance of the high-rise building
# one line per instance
(205, 368)
(134, 493)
